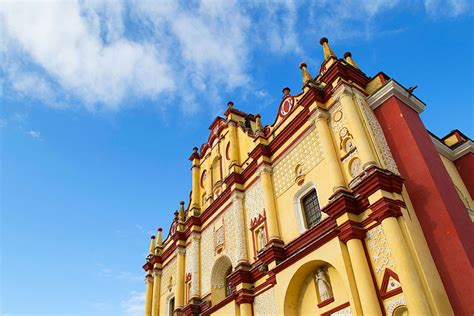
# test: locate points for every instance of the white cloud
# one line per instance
(34, 134)
(68, 46)
(135, 304)
(104, 55)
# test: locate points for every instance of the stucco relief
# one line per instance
(207, 242)
(379, 138)
(392, 304)
(379, 251)
(265, 303)
(207, 258)
(169, 273)
(343, 312)
(306, 153)
(192, 263)
(253, 202)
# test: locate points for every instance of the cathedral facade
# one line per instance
(345, 205)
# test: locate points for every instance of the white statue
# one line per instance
(261, 238)
(324, 285)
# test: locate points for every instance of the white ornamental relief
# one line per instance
(379, 138)
(380, 253)
(306, 153)
(391, 305)
(265, 303)
(253, 202)
(346, 311)
(168, 276)
(207, 259)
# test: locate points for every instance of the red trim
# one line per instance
(326, 302)
(214, 308)
(335, 309)
(351, 230)
(383, 289)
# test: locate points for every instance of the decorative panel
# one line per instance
(379, 251)
(265, 303)
(379, 138)
(306, 153)
(169, 271)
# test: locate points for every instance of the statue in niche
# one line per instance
(261, 238)
(324, 285)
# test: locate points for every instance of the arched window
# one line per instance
(220, 287)
(311, 210)
(228, 289)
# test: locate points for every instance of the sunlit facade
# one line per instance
(344, 205)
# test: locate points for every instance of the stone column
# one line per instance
(179, 295)
(196, 187)
(386, 211)
(238, 208)
(234, 144)
(332, 159)
(269, 203)
(155, 310)
(148, 294)
(356, 127)
(353, 236)
(245, 309)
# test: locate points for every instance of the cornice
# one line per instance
(456, 153)
(394, 89)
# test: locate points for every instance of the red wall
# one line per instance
(446, 225)
(465, 166)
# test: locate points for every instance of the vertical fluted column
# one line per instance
(180, 253)
(356, 127)
(155, 310)
(269, 203)
(332, 159)
(406, 268)
(148, 294)
(237, 200)
(234, 144)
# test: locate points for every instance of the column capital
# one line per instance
(156, 272)
(180, 250)
(148, 278)
(264, 169)
(384, 208)
(351, 230)
(320, 114)
(343, 90)
(237, 195)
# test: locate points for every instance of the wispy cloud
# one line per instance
(107, 272)
(34, 134)
(135, 304)
(105, 55)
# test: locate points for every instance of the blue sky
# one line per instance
(101, 104)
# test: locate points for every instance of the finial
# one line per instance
(230, 104)
(286, 91)
(159, 240)
(152, 244)
(258, 121)
(306, 75)
(349, 60)
(181, 211)
(195, 149)
(326, 49)
(176, 213)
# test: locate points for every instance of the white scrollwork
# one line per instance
(380, 253)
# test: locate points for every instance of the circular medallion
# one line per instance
(286, 106)
(343, 132)
(337, 116)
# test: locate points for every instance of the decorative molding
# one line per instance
(390, 284)
(391, 305)
(456, 153)
(394, 89)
